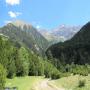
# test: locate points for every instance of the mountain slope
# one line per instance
(60, 34)
(76, 50)
(25, 34)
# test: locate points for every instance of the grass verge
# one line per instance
(71, 82)
(23, 83)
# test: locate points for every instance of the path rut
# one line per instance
(44, 85)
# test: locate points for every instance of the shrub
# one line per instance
(81, 83)
(48, 68)
(81, 70)
(55, 74)
(66, 74)
(2, 77)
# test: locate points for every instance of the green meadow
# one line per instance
(71, 82)
(23, 83)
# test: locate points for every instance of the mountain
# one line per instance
(76, 50)
(25, 34)
(50, 36)
(60, 34)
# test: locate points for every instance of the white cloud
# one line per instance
(7, 21)
(14, 14)
(38, 26)
(13, 2)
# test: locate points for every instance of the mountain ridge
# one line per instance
(76, 50)
(60, 33)
(26, 35)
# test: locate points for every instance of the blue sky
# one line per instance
(45, 13)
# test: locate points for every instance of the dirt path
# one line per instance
(44, 85)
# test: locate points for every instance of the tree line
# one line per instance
(17, 60)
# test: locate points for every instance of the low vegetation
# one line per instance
(73, 82)
(2, 77)
(23, 83)
(81, 83)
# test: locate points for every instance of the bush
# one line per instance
(81, 83)
(55, 74)
(50, 71)
(11, 69)
(80, 69)
(66, 74)
(2, 77)
(48, 68)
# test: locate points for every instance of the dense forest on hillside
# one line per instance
(75, 50)
(72, 55)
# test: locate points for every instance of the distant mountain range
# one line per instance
(60, 34)
(37, 40)
(76, 50)
(26, 35)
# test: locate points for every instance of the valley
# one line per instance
(44, 44)
(31, 62)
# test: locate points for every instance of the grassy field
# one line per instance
(23, 83)
(71, 82)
